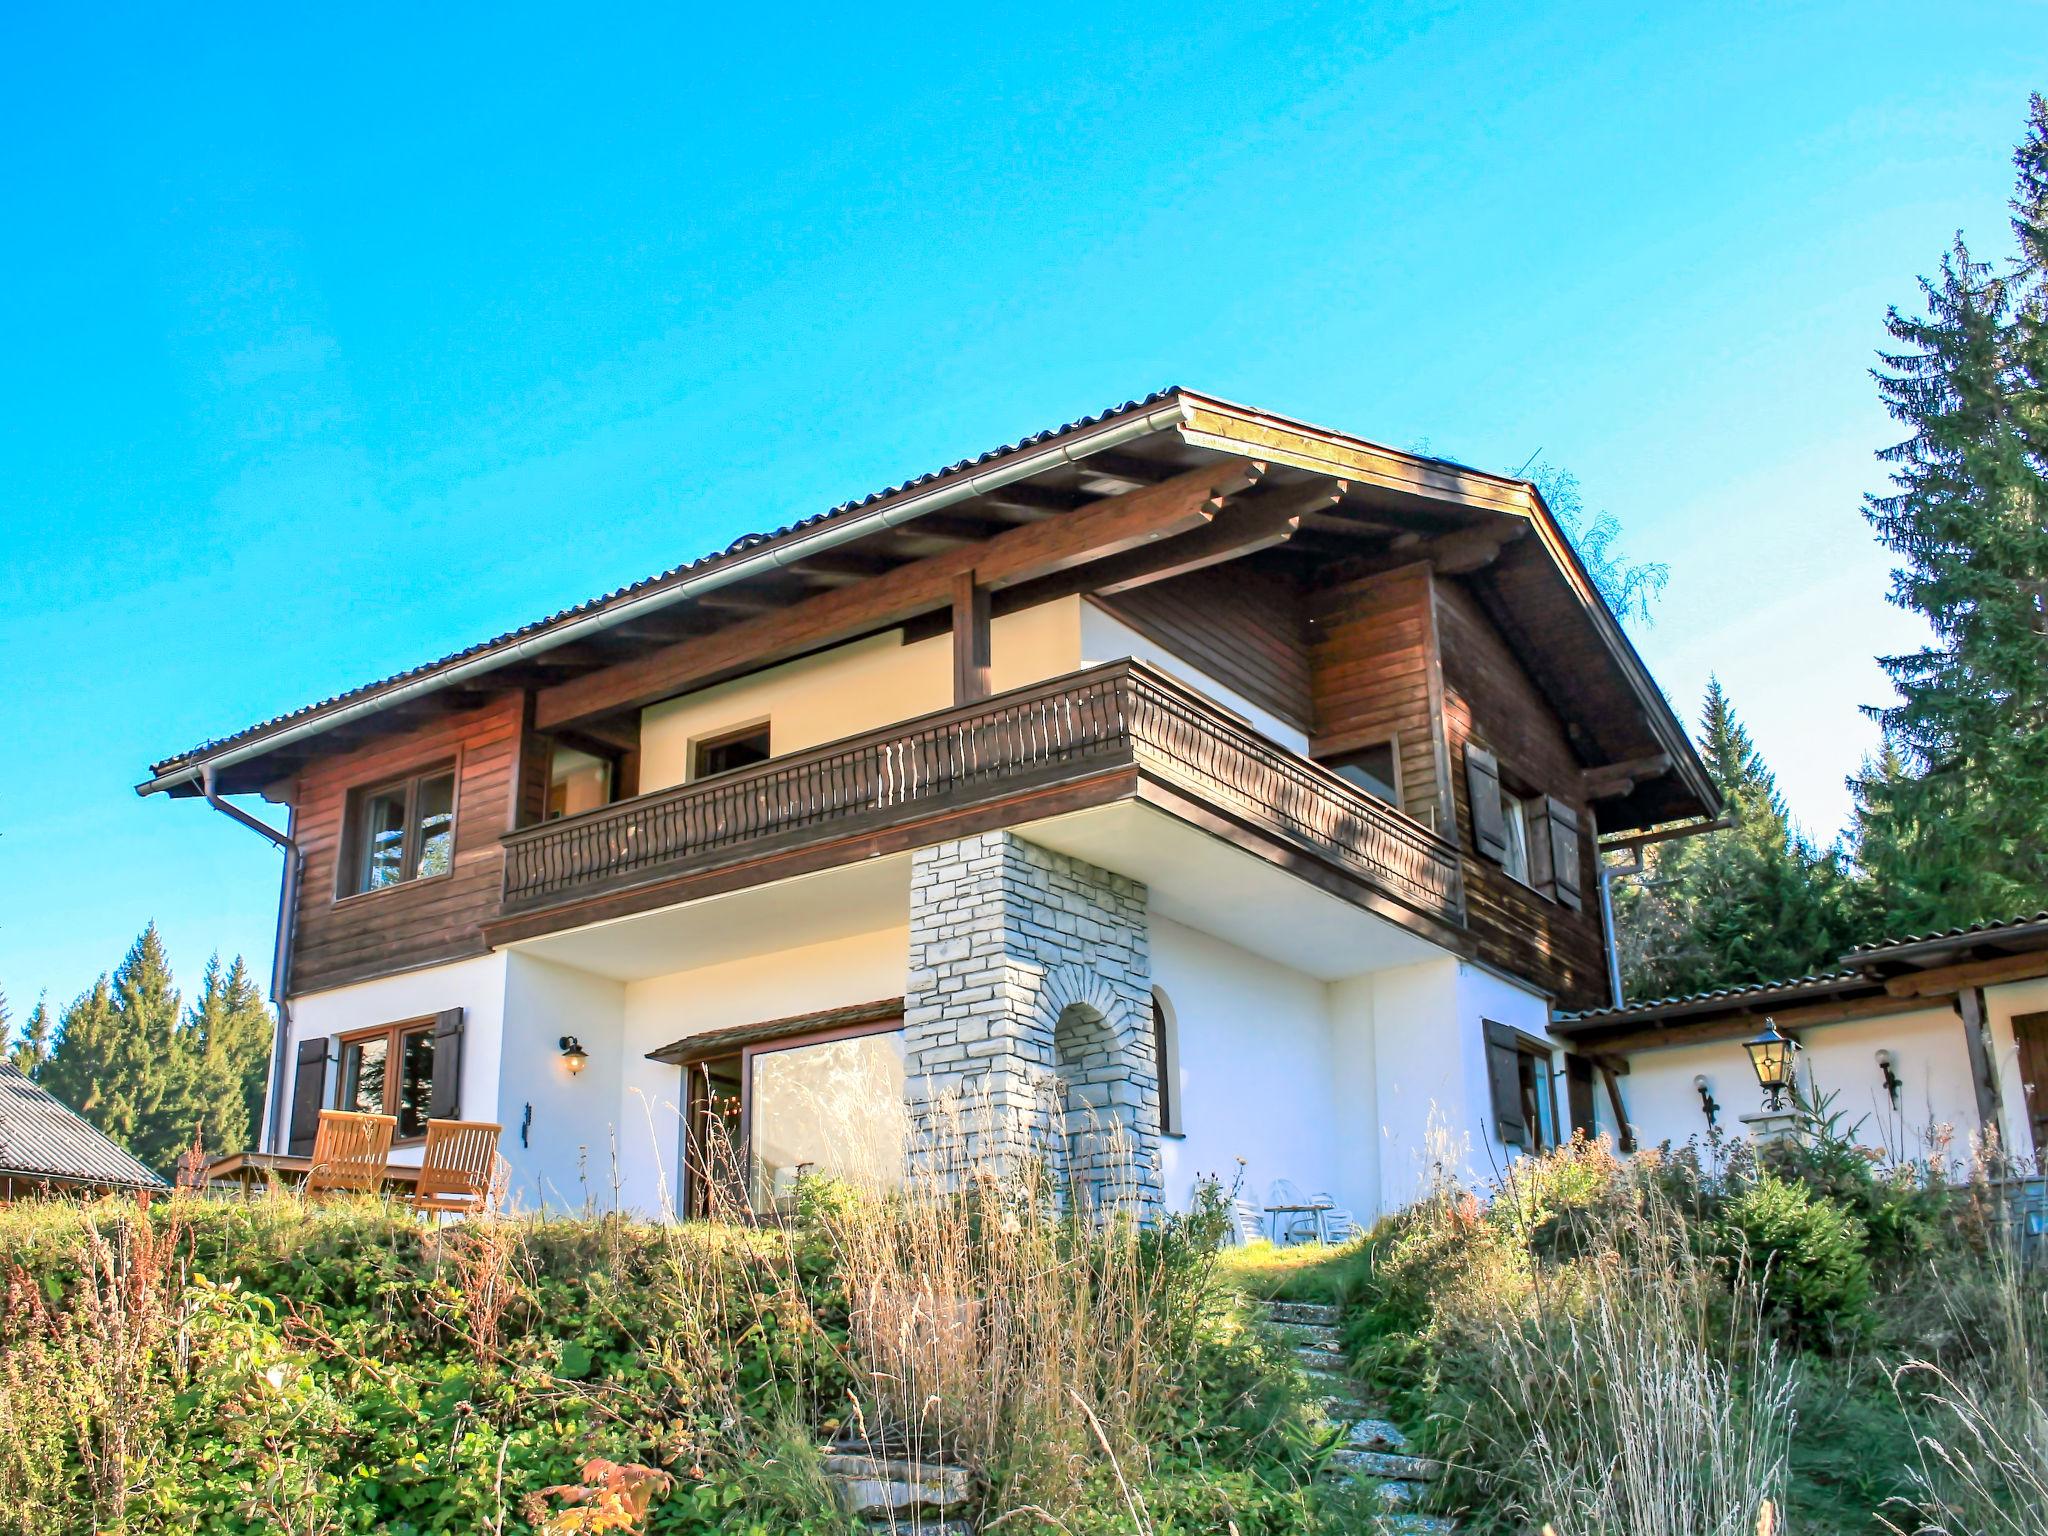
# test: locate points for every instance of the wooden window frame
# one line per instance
(394, 1060)
(1526, 1048)
(699, 745)
(351, 846)
(612, 757)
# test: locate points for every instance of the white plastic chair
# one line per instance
(1248, 1222)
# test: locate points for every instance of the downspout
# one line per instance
(1609, 873)
(281, 958)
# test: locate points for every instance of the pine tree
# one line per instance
(227, 1046)
(31, 1052)
(1968, 519)
(1757, 902)
(118, 1059)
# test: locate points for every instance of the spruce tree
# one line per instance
(1968, 519)
(227, 1047)
(118, 1059)
(1757, 902)
(31, 1051)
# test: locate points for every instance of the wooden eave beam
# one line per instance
(1610, 781)
(1108, 528)
(1241, 529)
(1943, 980)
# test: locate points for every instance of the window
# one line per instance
(400, 831)
(1515, 815)
(1166, 1054)
(1524, 1100)
(390, 1071)
(577, 782)
(728, 753)
(1375, 769)
(825, 1103)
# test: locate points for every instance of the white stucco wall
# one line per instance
(1104, 637)
(853, 688)
(475, 986)
(1255, 1068)
(560, 1157)
(863, 969)
(1937, 1102)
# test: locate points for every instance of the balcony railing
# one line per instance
(1123, 714)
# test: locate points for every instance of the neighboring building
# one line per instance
(1922, 1042)
(1238, 776)
(45, 1148)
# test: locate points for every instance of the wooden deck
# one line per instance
(1123, 718)
(250, 1169)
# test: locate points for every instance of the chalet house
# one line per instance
(1916, 1042)
(1238, 778)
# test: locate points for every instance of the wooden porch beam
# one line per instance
(1977, 1043)
(1109, 527)
(970, 639)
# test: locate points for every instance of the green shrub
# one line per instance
(1809, 1254)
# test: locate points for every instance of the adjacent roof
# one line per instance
(43, 1139)
(1865, 972)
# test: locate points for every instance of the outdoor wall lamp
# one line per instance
(573, 1054)
(1771, 1054)
(1712, 1109)
(1892, 1085)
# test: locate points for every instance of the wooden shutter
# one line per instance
(1504, 1077)
(1482, 786)
(1564, 852)
(1578, 1094)
(445, 1101)
(309, 1096)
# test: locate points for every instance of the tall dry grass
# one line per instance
(995, 1319)
(1983, 1459)
(1607, 1378)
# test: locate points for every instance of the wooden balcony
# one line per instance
(1120, 727)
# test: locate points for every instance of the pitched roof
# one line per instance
(745, 543)
(1863, 970)
(42, 1138)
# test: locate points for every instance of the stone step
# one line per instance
(1375, 1435)
(1314, 1357)
(1398, 1495)
(1414, 1525)
(872, 1487)
(1304, 1312)
(1390, 1465)
(1313, 1334)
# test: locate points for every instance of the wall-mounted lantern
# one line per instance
(1771, 1054)
(1708, 1106)
(573, 1055)
(1892, 1085)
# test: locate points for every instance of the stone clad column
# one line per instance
(1030, 990)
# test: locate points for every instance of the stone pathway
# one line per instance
(1374, 1452)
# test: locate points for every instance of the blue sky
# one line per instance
(330, 344)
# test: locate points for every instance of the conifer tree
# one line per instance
(227, 1048)
(31, 1051)
(117, 1060)
(1757, 902)
(1968, 519)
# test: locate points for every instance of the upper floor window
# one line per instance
(578, 781)
(1532, 836)
(728, 752)
(399, 831)
(1374, 769)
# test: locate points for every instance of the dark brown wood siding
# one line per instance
(343, 940)
(1240, 624)
(1489, 699)
(1374, 675)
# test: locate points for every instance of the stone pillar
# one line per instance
(1030, 997)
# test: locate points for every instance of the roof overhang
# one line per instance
(1587, 653)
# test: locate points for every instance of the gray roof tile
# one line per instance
(41, 1137)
